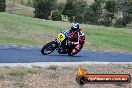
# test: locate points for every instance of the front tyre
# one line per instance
(48, 48)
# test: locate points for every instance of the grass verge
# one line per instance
(23, 72)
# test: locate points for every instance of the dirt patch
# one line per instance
(59, 77)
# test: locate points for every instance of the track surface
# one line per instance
(20, 54)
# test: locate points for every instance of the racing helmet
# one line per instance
(75, 26)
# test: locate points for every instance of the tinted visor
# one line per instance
(74, 29)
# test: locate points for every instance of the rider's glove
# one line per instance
(70, 43)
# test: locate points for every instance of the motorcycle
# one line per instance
(61, 44)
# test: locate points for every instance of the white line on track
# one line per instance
(14, 45)
(46, 64)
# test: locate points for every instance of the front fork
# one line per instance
(66, 48)
(57, 43)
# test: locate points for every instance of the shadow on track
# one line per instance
(64, 55)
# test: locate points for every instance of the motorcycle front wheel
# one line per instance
(48, 48)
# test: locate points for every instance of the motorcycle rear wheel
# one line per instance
(48, 48)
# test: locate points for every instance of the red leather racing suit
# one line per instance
(78, 38)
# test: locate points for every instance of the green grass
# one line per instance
(52, 68)
(17, 75)
(20, 30)
(2, 77)
(23, 72)
(110, 38)
(24, 13)
(28, 31)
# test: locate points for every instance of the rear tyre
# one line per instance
(48, 48)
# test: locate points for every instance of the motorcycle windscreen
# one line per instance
(61, 37)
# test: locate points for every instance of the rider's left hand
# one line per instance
(70, 43)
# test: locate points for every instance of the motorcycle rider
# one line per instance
(76, 36)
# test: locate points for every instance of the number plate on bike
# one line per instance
(61, 37)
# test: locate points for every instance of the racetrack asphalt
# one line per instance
(22, 54)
